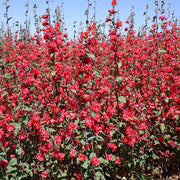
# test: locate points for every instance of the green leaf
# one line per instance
(26, 108)
(76, 121)
(163, 127)
(97, 74)
(107, 174)
(12, 178)
(119, 64)
(13, 162)
(53, 73)
(119, 79)
(2, 153)
(154, 156)
(92, 113)
(7, 75)
(74, 90)
(91, 55)
(10, 169)
(162, 51)
(167, 100)
(3, 93)
(98, 138)
(90, 138)
(18, 150)
(156, 142)
(149, 167)
(156, 170)
(52, 54)
(98, 174)
(54, 169)
(121, 124)
(91, 155)
(26, 167)
(25, 122)
(150, 149)
(51, 130)
(176, 117)
(87, 174)
(85, 164)
(99, 146)
(141, 132)
(31, 173)
(103, 161)
(64, 173)
(82, 141)
(122, 99)
(167, 137)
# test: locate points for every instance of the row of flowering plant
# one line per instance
(94, 108)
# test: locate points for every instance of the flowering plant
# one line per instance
(95, 108)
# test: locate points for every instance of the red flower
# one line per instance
(72, 126)
(88, 146)
(1, 134)
(2, 109)
(89, 122)
(112, 11)
(60, 156)
(160, 139)
(57, 139)
(40, 157)
(45, 136)
(177, 80)
(96, 107)
(45, 23)
(127, 22)
(114, 2)
(72, 153)
(119, 23)
(108, 19)
(143, 126)
(79, 176)
(112, 146)
(10, 127)
(82, 157)
(44, 174)
(44, 16)
(65, 35)
(3, 163)
(167, 153)
(171, 143)
(118, 160)
(109, 156)
(95, 161)
(12, 156)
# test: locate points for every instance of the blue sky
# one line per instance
(73, 10)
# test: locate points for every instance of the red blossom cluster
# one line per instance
(61, 101)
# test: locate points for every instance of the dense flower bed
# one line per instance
(94, 108)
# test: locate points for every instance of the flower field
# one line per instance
(97, 107)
